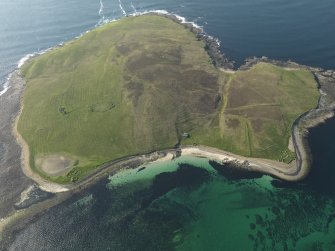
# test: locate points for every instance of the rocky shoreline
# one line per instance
(325, 108)
(19, 195)
(23, 194)
(212, 45)
(310, 119)
(12, 180)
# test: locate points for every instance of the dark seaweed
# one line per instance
(234, 171)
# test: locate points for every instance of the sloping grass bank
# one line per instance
(136, 85)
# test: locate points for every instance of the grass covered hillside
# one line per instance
(129, 87)
(136, 85)
(259, 108)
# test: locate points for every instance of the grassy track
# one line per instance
(128, 87)
(136, 85)
(260, 107)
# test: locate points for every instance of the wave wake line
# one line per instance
(101, 10)
(133, 7)
(103, 20)
(122, 9)
(101, 13)
(5, 86)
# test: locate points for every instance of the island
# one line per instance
(148, 86)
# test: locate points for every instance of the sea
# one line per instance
(187, 203)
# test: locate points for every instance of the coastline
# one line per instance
(25, 155)
(108, 168)
(212, 46)
(295, 171)
(265, 166)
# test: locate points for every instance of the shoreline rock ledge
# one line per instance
(324, 111)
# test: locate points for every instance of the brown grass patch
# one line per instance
(135, 90)
(147, 58)
(243, 96)
(200, 78)
(55, 165)
(126, 48)
(262, 111)
(232, 123)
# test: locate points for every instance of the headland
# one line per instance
(178, 97)
(137, 107)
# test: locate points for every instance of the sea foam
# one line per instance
(31, 55)
(104, 20)
(25, 59)
(6, 85)
(122, 9)
(21, 62)
(182, 20)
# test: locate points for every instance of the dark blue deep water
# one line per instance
(322, 143)
(301, 30)
(190, 206)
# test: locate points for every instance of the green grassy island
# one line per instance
(136, 85)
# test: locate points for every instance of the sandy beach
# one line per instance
(295, 171)
(275, 168)
(21, 177)
(43, 184)
(12, 179)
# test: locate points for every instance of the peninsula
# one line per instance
(145, 84)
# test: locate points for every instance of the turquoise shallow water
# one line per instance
(175, 206)
(166, 208)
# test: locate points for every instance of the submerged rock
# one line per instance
(32, 195)
(234, 170)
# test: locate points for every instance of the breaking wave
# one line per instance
(6, 85)
(122, 9)
(102, 21)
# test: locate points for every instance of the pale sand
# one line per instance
(3, 224)
(52, 187)
(25, 193)
(213, 154)
(290, 145)
(227, 70)
(55, 164)
(45, 185)
(275, 168)
(169, 156)
(19, 218)
(294, 171)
